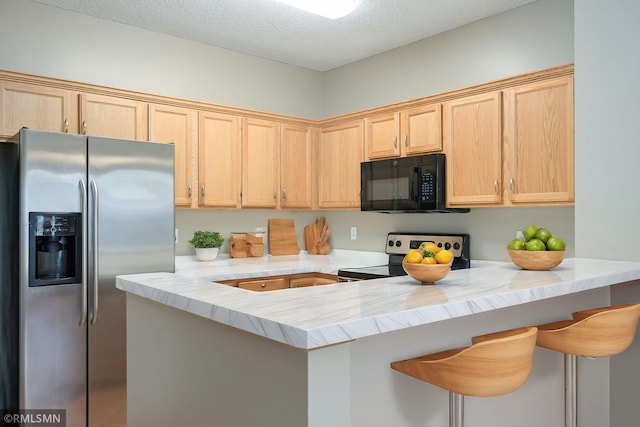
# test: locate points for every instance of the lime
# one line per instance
(516, 244)
(555, 244)
(529, 232)
(535, 245)
(543, 234)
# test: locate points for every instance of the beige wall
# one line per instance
(607, 208)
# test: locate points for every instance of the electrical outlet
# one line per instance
(354, 233)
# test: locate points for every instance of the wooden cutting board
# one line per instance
(310, 239)
(282, 237)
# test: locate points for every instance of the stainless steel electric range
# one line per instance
(397, 246)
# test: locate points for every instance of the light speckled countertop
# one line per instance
(318, 316)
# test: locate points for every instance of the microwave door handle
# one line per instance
(415, 188)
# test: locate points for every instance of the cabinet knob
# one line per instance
(264, 285)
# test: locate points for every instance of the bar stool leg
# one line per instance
(570, 397)
(456, 409)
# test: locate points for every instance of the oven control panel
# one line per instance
(400, 243)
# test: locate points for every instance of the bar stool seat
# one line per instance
(597, 332)
(495, 364)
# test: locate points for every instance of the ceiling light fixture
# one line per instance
(332, 9)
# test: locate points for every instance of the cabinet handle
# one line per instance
(275, 195)
(284, 194)
(495, 187)
(84, 127)
(511, 186)
(203, 191)
(66, 125)
(406, 141)
(395, 142)
(189, 192)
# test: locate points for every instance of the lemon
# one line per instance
(428, 260)
(413, 256)
(444, 256)
(430, 246)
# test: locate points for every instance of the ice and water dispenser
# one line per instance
(55, 248)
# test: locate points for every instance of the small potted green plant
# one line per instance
(207, 244)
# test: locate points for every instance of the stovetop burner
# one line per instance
(397, 246)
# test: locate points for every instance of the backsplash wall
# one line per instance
(490, 228)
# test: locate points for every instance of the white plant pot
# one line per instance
(206, 254)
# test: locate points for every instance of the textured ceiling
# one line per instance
(269, 29)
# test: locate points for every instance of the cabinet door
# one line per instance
(296, 166)
(539, 142)
(178, 126)
(340, 153)
(421, 129)
(36, 107)
(113, 117)
(219, 160)
(381, 136)
(259, 163)
(472, 142)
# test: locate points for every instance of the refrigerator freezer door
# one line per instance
(52, 342)
(131, 207)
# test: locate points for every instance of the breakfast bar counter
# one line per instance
(319, 356)
(318, 316)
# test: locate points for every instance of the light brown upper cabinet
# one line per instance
(296, 166)
(340, 152)
(411, 131)
(260, 166)
(113, 117)
(219, 161)
(539, 143)
(473, 144)
(179, 126)
(36, 107)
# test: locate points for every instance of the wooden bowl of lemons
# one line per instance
(536, 260)
(426, 273)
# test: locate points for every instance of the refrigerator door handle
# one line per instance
(94, 190)
(85, 273)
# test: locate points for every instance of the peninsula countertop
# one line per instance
(314, 317)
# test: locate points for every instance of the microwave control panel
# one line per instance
(427, 187)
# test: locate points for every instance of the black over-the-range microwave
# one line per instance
(404, 185)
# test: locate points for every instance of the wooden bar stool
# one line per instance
(597, 332)
(495, 364)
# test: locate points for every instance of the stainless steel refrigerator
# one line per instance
(76, 211)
